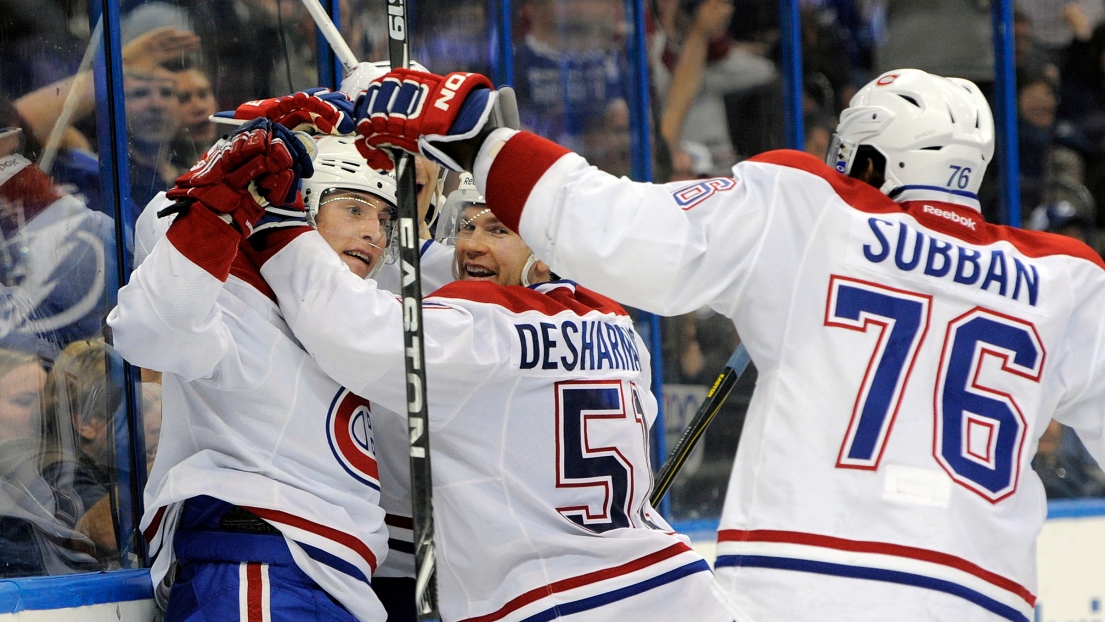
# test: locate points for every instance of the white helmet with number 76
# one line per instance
(918, 131)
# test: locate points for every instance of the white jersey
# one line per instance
(249, 418)
(436, 263)
(909, 357)
(391, 430)
(539, 409)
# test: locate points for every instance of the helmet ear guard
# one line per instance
(935, 133)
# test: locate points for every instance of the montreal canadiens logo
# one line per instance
(349, 431)
(887, 79)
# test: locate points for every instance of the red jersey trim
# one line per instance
(515, 171)
(206, 240)
(329, 533)
(879, 548)
(956, 221)
(155, 524)
(564, 585)
(517, 299)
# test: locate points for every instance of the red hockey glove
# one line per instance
(260, 162)
(421, 113)
(328, 112)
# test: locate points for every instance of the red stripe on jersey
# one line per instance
(585, 579)
(515, 170)
(342, 538)
(518, 299)
(206, 240)
(254, 593)
(880, 548)
(150, 531)
(867, 198)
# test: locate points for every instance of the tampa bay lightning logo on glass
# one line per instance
(349, 432)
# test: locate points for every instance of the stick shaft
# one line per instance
(702, 419)
(425, 561)
(337, 43)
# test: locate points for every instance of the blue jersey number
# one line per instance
(901, 319)
(586, 459)
(979, 430)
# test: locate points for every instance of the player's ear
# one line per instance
(540, 272)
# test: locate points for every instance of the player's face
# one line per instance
(487, 251)
(355, 225)
(20, 397)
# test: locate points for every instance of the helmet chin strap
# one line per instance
(526, 268)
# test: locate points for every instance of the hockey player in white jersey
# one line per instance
(263, 498)
(539, 412)
(909, 354)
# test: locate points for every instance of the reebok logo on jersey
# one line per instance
(966, 221)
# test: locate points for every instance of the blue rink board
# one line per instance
(44, 593)
(78, 590)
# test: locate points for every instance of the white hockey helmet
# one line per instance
(934, 132)
(357, 81)
(339, 167)
(451, 216)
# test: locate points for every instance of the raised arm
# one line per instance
(632, 241)
(354, 330)
(168, 318)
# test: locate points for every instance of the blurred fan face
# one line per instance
(356, 225)
(197, 103)
(20, 400)
(153, 109)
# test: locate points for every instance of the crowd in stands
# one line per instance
(716, 99)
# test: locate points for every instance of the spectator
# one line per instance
(1055, 24)
(569, 67)
(80, 391)
(39, 508)
(696, 65)
(1067, 209)
(197, 103)
(944, 37)
(153, 118)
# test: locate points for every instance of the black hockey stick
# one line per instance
(702, 419)
(425, 560)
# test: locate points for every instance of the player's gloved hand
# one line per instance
(438, 117)
(328, 112)
(260, 162)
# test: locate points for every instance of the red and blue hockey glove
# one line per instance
(260, 162)
(422, 113)
(328, 112)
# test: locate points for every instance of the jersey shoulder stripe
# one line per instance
(964, 223)
(547, 298)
